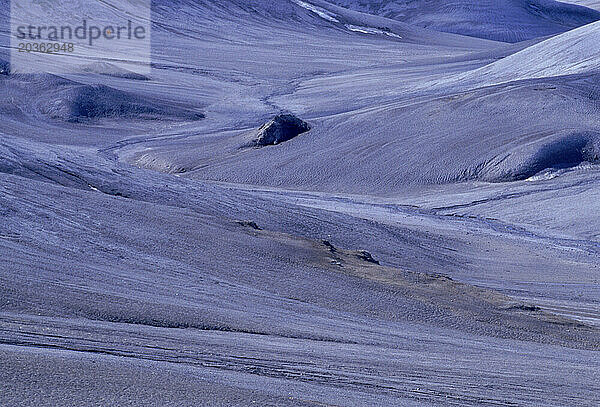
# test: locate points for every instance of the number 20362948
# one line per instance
(46, 47)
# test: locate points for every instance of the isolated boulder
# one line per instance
(282, 128)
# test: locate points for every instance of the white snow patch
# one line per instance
(370, 30)
(544, 176)
(554, 173)
(317, 10)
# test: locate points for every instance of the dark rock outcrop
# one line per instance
(366, 256)
(329, 246)
(248, 224)
(525, 307)
(282, 128)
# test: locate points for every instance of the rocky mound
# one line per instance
(566, 151)
(82, 102)
(282, 128)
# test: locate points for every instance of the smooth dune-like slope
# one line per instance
(571, 53)
(359, 144)
(370, 135)
(300, 205)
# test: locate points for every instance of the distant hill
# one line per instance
(595, 4)
(500, 20)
